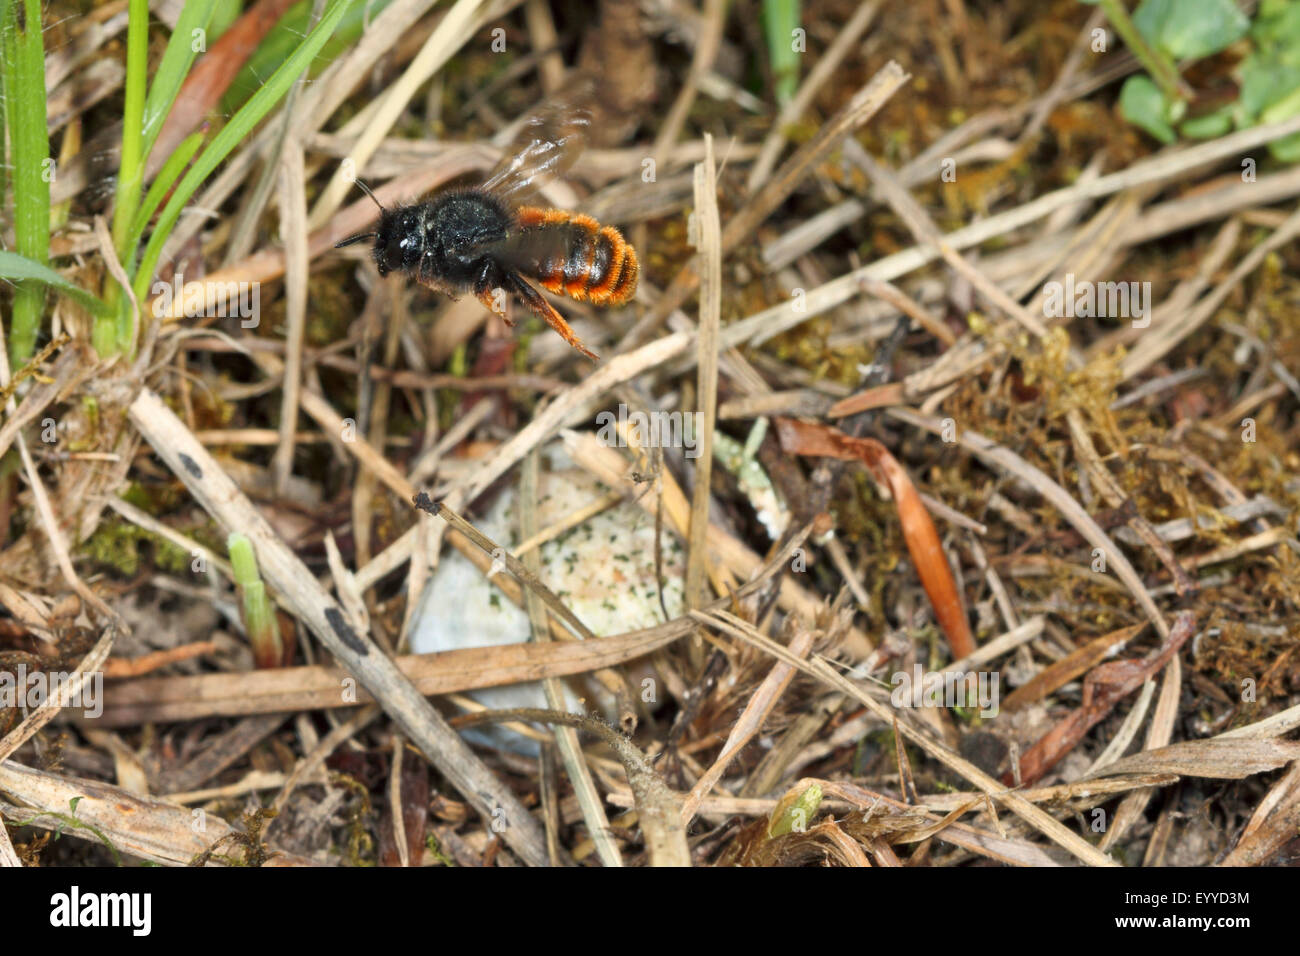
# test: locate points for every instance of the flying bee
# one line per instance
(481, 240)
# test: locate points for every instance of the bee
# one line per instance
(480, 240)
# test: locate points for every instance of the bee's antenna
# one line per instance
(366, 189)
(364, 235)
(352, 240)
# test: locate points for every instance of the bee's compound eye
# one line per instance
(393, 252)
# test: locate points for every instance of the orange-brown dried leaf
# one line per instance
(804, 438)
(212, 75)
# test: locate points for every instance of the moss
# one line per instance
(116, 544)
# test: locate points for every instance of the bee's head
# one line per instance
(399, 240)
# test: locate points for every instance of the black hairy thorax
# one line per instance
(451, 238)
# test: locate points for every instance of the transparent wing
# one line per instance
(545, 146)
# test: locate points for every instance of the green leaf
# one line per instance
(780, 20)
(242, 559)
(131, 158)
(280, 40)
(162, 183)
(174, 67)
(257, 610)
(1266, 79)
(234, 133)
(796, 816)
(1283, 109)
(1211, 125)
(1278, 25)
(1191, 28)
(1287, 149)
(16, 267)
(22, 63)
(226, 13)
(1143, 105)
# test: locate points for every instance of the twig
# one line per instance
(8, 858)
(750, 722)
(818, 668)
(55, 702)
(926, 232)
(1006, 460)
(115, 667)
(710, 245)
(779, 318)
(516, 567)
(293, 218)
(1151, 348)
(658, 808)
(144, 827)
(864, 104)
(312, 761)
(285, 572)
(707, 43)
(453, 32)
(285, 689)
(845, 40)
(566, 738)
(57, 543)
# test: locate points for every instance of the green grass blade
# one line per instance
(174, 67)
(131, 168)
(143, 117)
(23, 53)
(280, 41)
(111, 334)
(21, 269)
(163, 182)
(239, 127)
(780, 20)
(4, 128)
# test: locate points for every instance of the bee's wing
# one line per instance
(545, 146)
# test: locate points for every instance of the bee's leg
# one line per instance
(437, 285)
(492, 295)
(542, 309)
